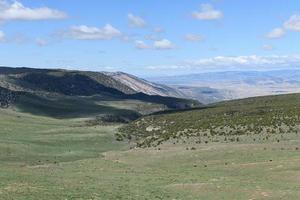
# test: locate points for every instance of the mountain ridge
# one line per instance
(47, 90)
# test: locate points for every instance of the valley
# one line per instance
(74, 138)
(149, 100)
(46, 158)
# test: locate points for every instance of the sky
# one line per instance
(151, 37)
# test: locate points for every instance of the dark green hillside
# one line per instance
(72, 84)
(70, 107)
(23, 76)
(59, 106)
(21, 70)
(15, 74)
(268, 116)
(170, 102)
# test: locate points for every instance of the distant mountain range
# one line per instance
(234, 84)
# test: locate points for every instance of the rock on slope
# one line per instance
(144, 86)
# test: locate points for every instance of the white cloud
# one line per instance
(224, 63)
(141, 45)
(2, 36)
(163, 44)
(233, 60)
(207, 12)
(83, 32)
(249, 62)
(193, 37)
(17, 11)
(267, 47)
(276, 33)
(136, 21)
(293, 23)
(41, 42)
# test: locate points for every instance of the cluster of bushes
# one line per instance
(112, 118)
(7, 97)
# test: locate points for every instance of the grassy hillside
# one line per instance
(42, 158)
(271, 117)
(34, 139)
(62, 106)
(75, 107)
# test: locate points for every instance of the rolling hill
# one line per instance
(270, 117)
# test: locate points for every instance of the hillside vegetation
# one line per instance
(270, 117)
(7, 97)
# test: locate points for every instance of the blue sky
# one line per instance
(151, 37)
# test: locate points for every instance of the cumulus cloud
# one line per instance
(136, 21)
(83, 32)
(223, 63)
(293, 23)
(193, 37)
(159, 44)
(17, 11)
(207, 12)
(276, 33)
(163, 44)
(139, 44)
(267, 47)
(2, 36)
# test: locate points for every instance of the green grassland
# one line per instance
(47, 158)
